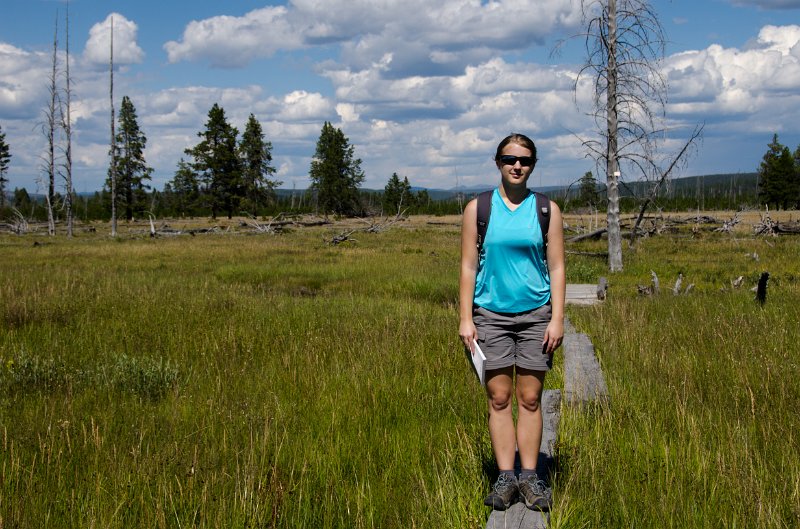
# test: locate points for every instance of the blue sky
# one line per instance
(422, 89)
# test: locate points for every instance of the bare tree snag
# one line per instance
(602, 288)
(67, 126)
(50, 132)
(112, 172)
(677, 288)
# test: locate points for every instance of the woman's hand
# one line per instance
(553, 336)
(468, 334)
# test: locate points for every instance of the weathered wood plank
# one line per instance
(582, 294)
(583, 378)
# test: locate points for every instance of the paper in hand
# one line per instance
(478, 362)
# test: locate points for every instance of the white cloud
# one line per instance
(230, 42)
(23, 81)
(126, 49)
(722, 81)
(423, 37)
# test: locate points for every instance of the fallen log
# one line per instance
(591, 235)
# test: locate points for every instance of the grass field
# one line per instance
(231, 380)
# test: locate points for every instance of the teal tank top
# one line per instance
(512, 267)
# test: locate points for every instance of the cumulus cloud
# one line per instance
(231, 42)
(126, 49)
(23, 84)
(733, 81)
(422, 37)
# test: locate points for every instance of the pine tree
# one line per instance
(775, 178)
(256, 159)
(795, 184)
(130, 167)
(335, 173)
(5, 159)
(184, 189)
(396, 194)
(217, 163)
(588, 190)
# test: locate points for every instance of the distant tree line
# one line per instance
(232, 175)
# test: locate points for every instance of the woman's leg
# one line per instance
(499, 389)
(529, 416)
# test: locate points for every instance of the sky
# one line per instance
(424, 89)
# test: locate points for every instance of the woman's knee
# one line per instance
(530, 400)
(500, 401)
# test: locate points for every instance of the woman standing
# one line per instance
(512, 303)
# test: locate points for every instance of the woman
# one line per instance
(512, 304)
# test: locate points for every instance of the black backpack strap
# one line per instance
(484, 211)
(543, 212)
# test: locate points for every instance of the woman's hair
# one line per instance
(519, 139)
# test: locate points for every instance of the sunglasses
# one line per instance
(525, 161)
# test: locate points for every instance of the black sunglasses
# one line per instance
(525, 161)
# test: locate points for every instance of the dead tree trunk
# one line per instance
(112, 172)
(612, 161)
(50, 117)
(67, 125)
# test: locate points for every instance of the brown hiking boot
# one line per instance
(535, 494)
(503, 493)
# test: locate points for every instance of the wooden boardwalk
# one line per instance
(583, 384)
(578, 294)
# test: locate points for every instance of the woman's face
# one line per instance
(515, 173)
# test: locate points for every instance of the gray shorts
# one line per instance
(514, 339)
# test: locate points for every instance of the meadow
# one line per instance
(232, 380)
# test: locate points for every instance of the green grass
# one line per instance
(702, 426)
(232, 381)
(276, 381)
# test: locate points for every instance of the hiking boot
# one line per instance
(535, 494)
(503, 493)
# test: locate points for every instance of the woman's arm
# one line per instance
(558, 280)
(469, 268)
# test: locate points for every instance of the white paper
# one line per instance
(478, 359)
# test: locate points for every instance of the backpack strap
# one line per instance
(484, 211)
(543, 212)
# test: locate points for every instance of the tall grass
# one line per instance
(276, 381)
(702, 426)
(233, 381)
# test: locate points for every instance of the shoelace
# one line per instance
(537, 485)
(503, 482)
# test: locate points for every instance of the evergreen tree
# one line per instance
(256, 159)
(776, 174)
(130, 166)
(335, 173)
(217, 163)
(23, 201)
(183, 190)
(588, 190)
(795, 183)
(5, 158)
(423, 199)
(397, 194)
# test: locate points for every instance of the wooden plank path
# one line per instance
(583, 384)
(582, 294)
